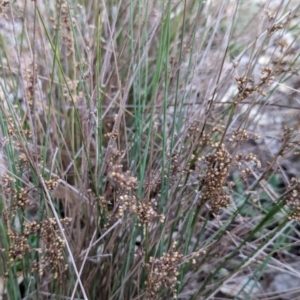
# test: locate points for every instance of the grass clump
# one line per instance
(148, 150)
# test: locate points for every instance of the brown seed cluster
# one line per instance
(31, 81)
(289, 141)
(293, 199)
(246, 86)
(67, 36)
(7, 184)
(114, 134)
(3, 8)
(126, 184)
(66, 23)
(214, 186)
(51, 254)
(20, 199)
(52, 244)
(11, 126)
(195, 131)
(162, 273)
(146, 213)
(102, 202)
(18, 246)
(215, 189)
(126, 200)
(124, 180)
(241, 135)
(52, 183)
(16, 126)
(283, 62)
(277, 26)
(23, 159)
(249, 158)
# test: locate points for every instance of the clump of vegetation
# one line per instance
(148, 150)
